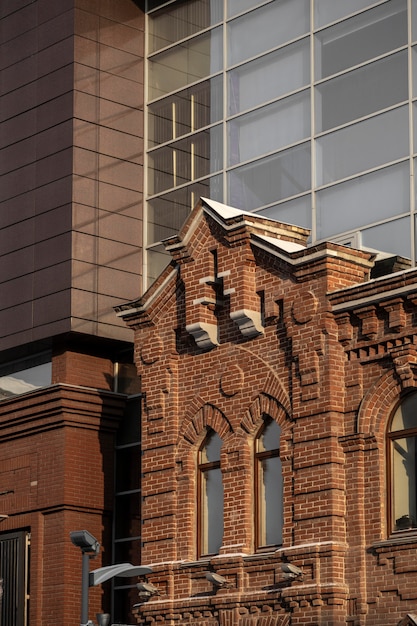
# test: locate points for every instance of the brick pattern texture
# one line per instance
(239, 327)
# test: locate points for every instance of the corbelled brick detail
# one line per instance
(329, 362)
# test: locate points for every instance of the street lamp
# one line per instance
(90, 547)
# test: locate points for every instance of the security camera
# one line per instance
(217, 580)
(291, 571)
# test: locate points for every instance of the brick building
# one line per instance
(71, 129)
(279, 428)
(116, 116)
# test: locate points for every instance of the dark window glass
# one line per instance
(268, 474)
(211, 495)
(402, 438)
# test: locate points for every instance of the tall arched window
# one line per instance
(402, 441)
(268, 486)
(210, 495)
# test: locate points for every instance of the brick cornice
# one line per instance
(57, 406)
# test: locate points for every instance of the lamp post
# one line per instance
(90, 547)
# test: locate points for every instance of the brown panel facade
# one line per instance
(71, 166)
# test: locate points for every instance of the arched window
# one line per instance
(402, 442)
(210, 495)
(268, 486)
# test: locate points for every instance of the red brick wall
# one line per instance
(56, 460)
(329, 370)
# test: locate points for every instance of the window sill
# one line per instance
(398, 539)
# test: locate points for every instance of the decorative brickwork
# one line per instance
(248, 322)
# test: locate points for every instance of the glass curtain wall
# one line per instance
(301, 110)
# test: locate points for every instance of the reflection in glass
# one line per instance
(361, 92)
(24, 376)
(128, 468)
(275, 24)
(182, 20)
(403, 436)
(186, 111)
(327, 11)
(158, 259)
(364, 145)
(297, 211)
(238, 6)
(211, 495)
(167, 213)
(270, 179)
(269, 486)
(127, 515)
(270, 128)
(393, 237)
(363, 200)
(186, 63)
(404, 480)
(361, 38)
(185, 160)
(270, 77)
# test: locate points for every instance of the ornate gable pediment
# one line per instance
(215, 253)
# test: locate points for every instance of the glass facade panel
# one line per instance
(392, 237)
(238, 6)
(297, 211)
(167, 213)
(414, 19)
(327, 11)
(361, 38)
(158, 259)
(276, 22)
(184, 64)
(242, 145)
(370, 198)
(182, 20)
(185, 112)
(269, 128)
(364, 145)
(268, 78)
(185, 160)
(270, 179)
(362, 92)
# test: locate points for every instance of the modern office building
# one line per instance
(116, 116)
(301, 110)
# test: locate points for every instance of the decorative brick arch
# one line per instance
(191, 435)
(264, 404)
(373, 418)
(193, 428)
(378, 404)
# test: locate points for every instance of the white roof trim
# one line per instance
(145, 305)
